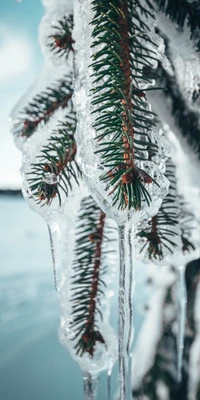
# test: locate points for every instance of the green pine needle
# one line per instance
(57, 159)
(88, 283)
(161, 229)
(43, 105)
(61, 42)
(122, 109)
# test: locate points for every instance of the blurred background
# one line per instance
(33, 365)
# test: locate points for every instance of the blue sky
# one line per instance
(20, 62)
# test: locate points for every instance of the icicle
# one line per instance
(182, 301)
(109, 381)
(90, 386)
(125, 323)
(54, 234)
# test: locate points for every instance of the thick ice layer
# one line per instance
(85, 133)
(104, 354)
(48, 27)
(48, 76)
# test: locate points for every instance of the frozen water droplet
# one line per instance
(54, 233)
(181, 313)
(50, 178)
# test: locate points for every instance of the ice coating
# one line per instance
(104, 355)
(161, 227)
(48, 74)
(48, 27)
(85, 133)
(32, 149)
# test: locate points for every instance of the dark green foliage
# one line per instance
(160, 233)
(57, 158)
(43, 105)
(123, 112)
(88, 285)
(61, 41)
(183, 12)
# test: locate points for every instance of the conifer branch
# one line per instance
(61, 42)
(122, 109)
(186, 221)
(56, 166)
(160, 233)
(183, 12)
(88, 283)
(43, 105)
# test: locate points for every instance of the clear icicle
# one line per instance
(125, 325)
(109, 381)
(90, 386)
(54, 233)
(182, 302)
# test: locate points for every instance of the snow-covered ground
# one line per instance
(33, 365)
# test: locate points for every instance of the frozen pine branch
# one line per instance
(160, 232)
(121, 108)
(56, 166)
(43, 106)
(61, 41)
(88, 284)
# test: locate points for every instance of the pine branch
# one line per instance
(61, 42)
(40, 109)
(56, 166)
(186, 221)
(88, 284)
(183, 12)
(122, 110)
(160, 233)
